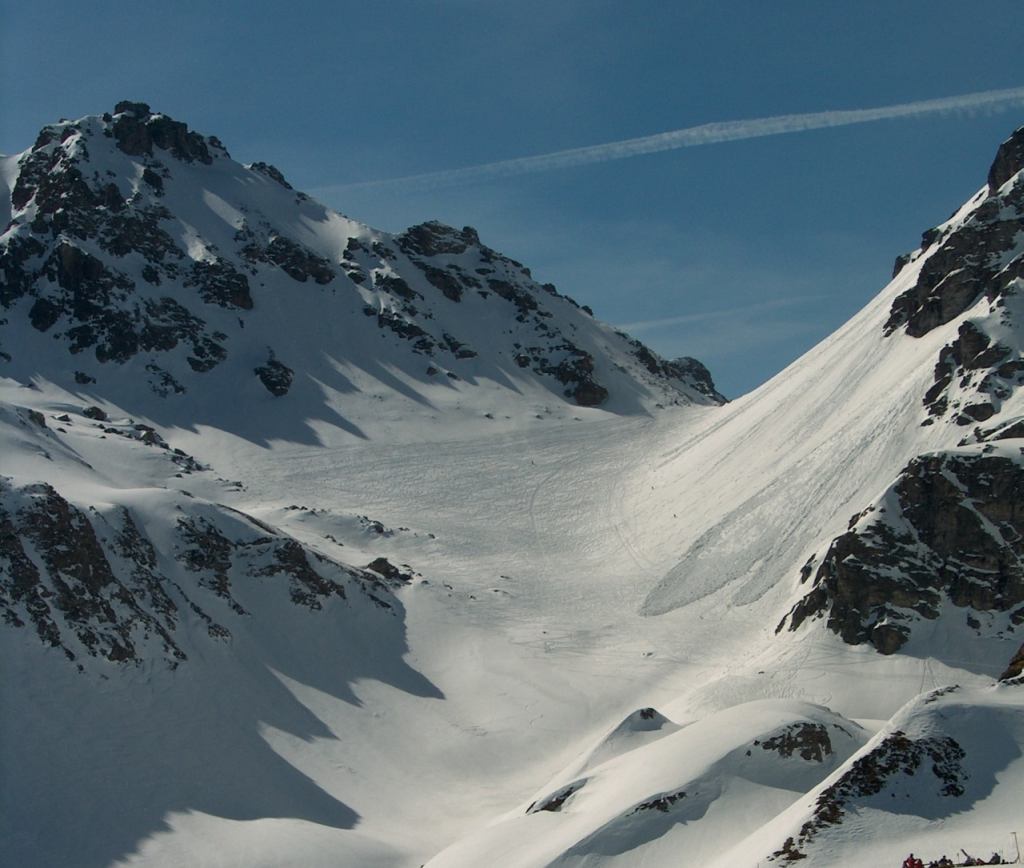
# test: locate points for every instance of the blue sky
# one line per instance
(743, 253)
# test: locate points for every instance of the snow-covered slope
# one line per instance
(684, 792)
(945, 768)
(412, 633)
(908, 420)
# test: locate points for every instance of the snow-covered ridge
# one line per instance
(149, 575)
(168, 270)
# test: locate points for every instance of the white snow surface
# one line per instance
(569, 571)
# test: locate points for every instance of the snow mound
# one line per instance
(681, 792)
(944, 774)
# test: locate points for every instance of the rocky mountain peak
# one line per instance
(137, 131)
(434, 237)
(1008, 162)
(128, 247)
(690, 369)
(968, 271)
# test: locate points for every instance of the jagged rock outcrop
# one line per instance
(971, 260)
(1015, 668)
(275, 375)
(809, 741)
(1008, 162)
(967, 258)
(69, 593)
(556, 800)
(939, 759)
(690, 370)
(949, 529)
(137, 130)
(92, 584)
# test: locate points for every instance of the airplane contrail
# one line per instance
(705, 134)
(721, 313)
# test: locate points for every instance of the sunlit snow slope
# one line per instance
(322, 607)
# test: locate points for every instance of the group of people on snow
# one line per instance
(913, 861)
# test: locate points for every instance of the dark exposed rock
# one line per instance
(523, 300)
(165, 322)
(275, 376)
(576, 372)
(902, 261)
(292, 258)
(696, 375)
(660, 803)
(137, 131)
(1012, 429)
(968, 261)
(97, 305)
(588, 393)
(959, 536)
(352, 247)
(148, 435)
(21, 594)
(90, 286)
(16, 273)
(49, 176)
(457, 348)
(95, 413)
(382, 251)
(809, 740)
(153, 179)
(389, 571)
(1008, 162)
(298, 262)
(76, 602)
(433, 238)
(221, 284)
(138, 231)
(1016, 666)
(971, 351)
(893, 758)
(421, 341)
(206, 550)
(89, 237)
(556, 800)
(445, 281)
(394, 284)
(271, 172)
(306, 587)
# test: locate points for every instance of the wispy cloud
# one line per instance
(705, 134)
(723, 313)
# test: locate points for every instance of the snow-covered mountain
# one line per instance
(323, 546)
(149, 264)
